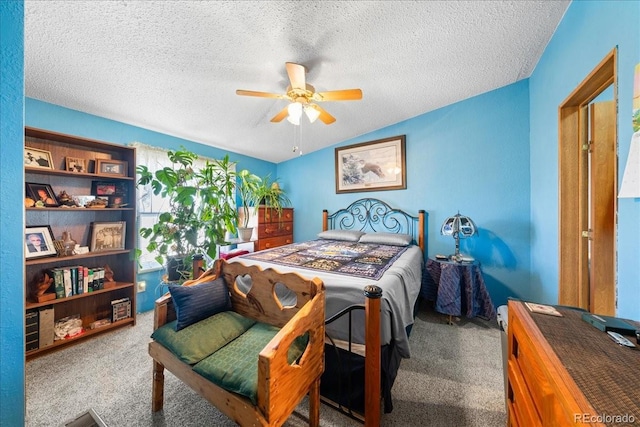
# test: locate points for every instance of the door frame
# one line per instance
(573, 286)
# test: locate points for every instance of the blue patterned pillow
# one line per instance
(197, 302)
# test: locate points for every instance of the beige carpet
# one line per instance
(454, 378)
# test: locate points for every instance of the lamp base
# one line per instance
(461, 258)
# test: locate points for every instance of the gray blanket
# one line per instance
(400, 288)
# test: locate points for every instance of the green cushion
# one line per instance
(197, 341)
(235, 366)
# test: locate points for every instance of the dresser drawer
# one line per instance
(274, 229)
(268, 215)
(274, 242)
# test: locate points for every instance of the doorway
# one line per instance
(588, 176)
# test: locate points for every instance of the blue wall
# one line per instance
(588, 32)
(53, 117)
(472, 157)
(11, 214)
(493, 157)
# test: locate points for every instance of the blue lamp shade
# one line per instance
(460, 227)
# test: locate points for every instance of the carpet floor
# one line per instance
(453, 379)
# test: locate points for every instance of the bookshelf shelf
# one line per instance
(88, 333)
(88, 306)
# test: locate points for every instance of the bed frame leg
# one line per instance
(373, 377)
(314, 403)
(157, 393)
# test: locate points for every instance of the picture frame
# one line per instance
(107, 236)
(111, 167)
(42, 193)
(75, 165)
(36, 158)
(108, 188)
(38, 242)
(372, 166)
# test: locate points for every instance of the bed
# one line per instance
(370, 230)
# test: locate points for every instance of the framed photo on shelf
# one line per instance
(108, 188)
(75, 164)
(36, 158)
(107, 236)
(371, 166)
(111, 167)
(42, 193)
(38, 242)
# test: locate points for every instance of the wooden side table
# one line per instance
(456, 288)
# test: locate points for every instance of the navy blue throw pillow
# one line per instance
(197, 302)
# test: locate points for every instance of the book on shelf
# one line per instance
(543, 309)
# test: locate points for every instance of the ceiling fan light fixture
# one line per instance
(311, 112)
(295, 112)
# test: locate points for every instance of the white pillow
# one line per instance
(393, 239)
(346, 235)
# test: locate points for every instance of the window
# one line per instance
(149, 205)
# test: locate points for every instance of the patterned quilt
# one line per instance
(366, 260)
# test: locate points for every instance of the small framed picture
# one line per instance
(75, 164)
(111, 167)
(42, 193)
(108, 188)
(38, 242)
(36, 158)
(107, 236)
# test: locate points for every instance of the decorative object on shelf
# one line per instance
(111, 167)
(116, 202)
(29, 202)
(108, 274)
(201, 206)
(97, 202)
(69, 243)
(42, 194)
(66, 200)
(371, 166)
(83, 201)
(108, 188)
(60, 250)
(248, 190)
(75, 164)
(36, 158)
(459, 226)
(38, 242)
(41, 284)
(107, 236)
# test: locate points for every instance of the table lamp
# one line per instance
(458, 226)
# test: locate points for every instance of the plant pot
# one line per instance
(244, 234)
(174, 266)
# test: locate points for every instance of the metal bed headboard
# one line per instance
(370, 214)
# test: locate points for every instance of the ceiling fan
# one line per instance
(303, 97)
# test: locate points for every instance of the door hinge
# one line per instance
(588, 234)
(588, 146)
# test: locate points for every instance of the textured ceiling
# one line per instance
(174, 66)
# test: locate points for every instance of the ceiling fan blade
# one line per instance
(281, 115)
(340, 95)
(296, 74)
(260, 94)
(324, 116)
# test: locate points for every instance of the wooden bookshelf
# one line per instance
(96, 305)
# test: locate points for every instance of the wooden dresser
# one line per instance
(273, 230)
(564, 372)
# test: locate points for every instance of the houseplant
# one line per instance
(270, 194)
(248, 186)
(201, 209)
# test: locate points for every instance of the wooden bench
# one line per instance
(281, 384)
